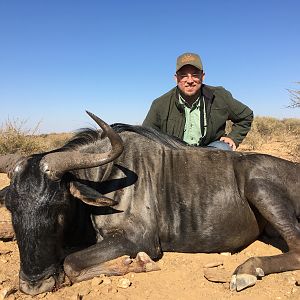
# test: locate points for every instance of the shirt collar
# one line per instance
(196, 103)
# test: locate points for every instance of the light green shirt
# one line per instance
(192, 129)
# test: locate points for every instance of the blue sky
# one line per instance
(113, 58)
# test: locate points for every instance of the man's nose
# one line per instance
(190, 78)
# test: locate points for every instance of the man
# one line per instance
(197, 113)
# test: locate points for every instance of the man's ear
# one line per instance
(202, 76)
(89, 195)
(176, 78)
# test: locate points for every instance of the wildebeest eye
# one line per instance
(60, 219)
(3, 196)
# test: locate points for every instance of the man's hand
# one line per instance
(228, 141)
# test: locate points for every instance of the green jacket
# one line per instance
(167, 115)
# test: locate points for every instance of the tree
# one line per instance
(294, 97)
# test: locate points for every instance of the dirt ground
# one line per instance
(181, 275)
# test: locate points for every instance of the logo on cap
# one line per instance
(187, 58)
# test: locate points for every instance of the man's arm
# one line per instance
(241, 116)
(153, 117)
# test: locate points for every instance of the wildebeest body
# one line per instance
(184, 197)
(167, 196)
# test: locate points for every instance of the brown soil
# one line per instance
(181, 275)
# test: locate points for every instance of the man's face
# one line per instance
(189, 80)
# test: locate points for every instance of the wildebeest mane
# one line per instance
(152, 134)
(87, 136)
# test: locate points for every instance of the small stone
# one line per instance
(217, 275)
(106, 281)
(226, 253)
(124, 283)
(213, 264)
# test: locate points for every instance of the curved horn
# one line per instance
(8, 162)
(57, 163)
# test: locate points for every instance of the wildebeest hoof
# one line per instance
(241, 281)
(127, 261)
(143, 257)
(259, 272)
(143, 263)
(70, 270)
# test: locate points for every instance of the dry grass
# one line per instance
(15, 138)
(272, 135)
(267, 135)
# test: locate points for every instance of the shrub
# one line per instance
(14, 138)
(267, 132)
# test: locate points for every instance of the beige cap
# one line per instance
(189, 59)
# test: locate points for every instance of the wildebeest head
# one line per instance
(39, 199)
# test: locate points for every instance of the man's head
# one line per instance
(189, 74)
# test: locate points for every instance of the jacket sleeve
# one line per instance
(153, 118)
(241, 116)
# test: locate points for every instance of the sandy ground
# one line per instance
(181, 276)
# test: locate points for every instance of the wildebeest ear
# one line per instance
(89, 195)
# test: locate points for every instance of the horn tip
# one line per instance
(89, 113)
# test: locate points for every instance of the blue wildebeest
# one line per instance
(110, 202)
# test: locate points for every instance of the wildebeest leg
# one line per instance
(273, 203)
(110, 257)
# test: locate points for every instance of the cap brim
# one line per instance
(191, 64)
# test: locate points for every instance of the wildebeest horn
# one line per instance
(57, 163)
(8, 162)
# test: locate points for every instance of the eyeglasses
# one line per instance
(186, 77)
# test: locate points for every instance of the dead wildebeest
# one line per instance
(160, 195)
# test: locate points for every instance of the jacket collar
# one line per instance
(207, 92)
